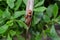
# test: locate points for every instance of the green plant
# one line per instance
(12, 21)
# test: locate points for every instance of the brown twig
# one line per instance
(29, 12)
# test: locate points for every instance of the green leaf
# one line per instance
(1, 20)
(6, 14)
(20, 37)
(22, 24)
(9, 23)
(44, 35)
(22, 18)
(17, 5)
(52, 9)
(35, 20)
(12, 33)
(38, 36)
(25, 1)
(3, 29)
(0, 0)
(58, 19)
(53, 33)
(18, 14)
(47, 31)
(40, 9)
(58, 22)
(58, 0)
(1, 13)
(36, 1)
(9, 38)
(39, 3)
(49, 10)
(46, 18)
(55, 10)
(10, 3)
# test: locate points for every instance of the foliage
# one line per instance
(12, 20)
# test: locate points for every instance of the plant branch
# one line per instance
(29, 13)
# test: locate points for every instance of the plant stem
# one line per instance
(29, 12)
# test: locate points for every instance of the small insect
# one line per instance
(28, 17)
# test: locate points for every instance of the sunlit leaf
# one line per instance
(40, 9)
(9, 23)
(0, 0)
